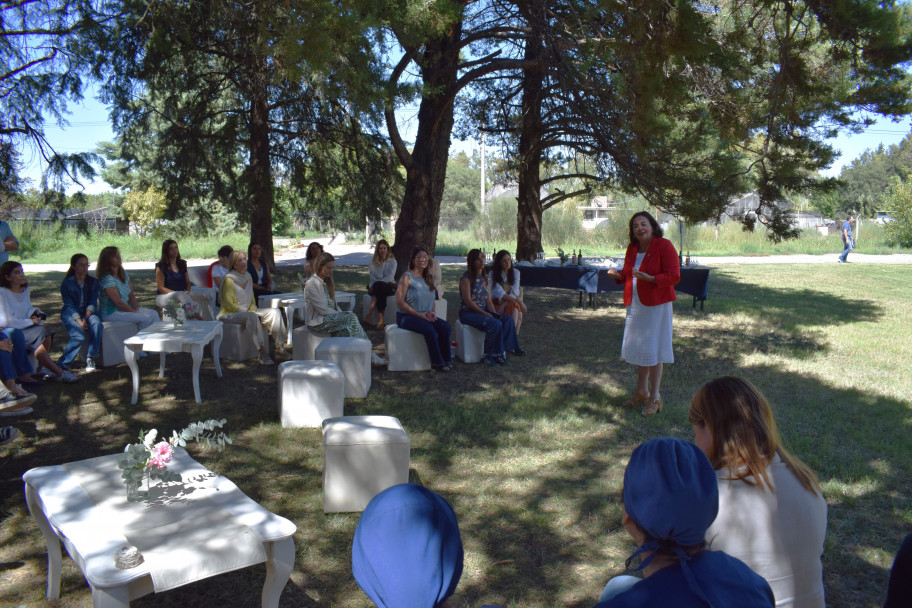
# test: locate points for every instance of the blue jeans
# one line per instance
(849, 246)
(20, 358)
(500, 330)
(436, 335)
(78, 337)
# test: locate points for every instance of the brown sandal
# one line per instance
(637, 399)
(652, 407)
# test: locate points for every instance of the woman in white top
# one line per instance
(772, 515)
(505, 288)
(16, 311)
(382, 280)
(239, 307)
(320, 308)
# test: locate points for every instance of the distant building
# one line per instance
(598, 211)
(102, 219)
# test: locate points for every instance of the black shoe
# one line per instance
(501, 360)
(519, 352)
(489, 361)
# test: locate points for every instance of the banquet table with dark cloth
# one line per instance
(584, 279)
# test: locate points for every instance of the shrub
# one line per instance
(898, 202)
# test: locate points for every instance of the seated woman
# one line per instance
(12, 359)
(313, 251)
(16, 311)
(239, 307)
(505, 288)
(381, 280)
(219, 268)
(407, 551)
(415, 302)
(172, 277)
(670, 499)
(320, 308)
(477, 310)
(117, 301)
(79, 292)
(772, 515)
(259, 271)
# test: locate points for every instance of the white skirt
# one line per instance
(647, 334)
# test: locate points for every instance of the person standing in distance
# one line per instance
(847, 240)
(8, 242)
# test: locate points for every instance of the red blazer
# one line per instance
(661, 261)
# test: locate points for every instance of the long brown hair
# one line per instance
(322, 260)
(427, 275)
(307, 251)
(181, 264)
(106, 264)
(376, 261)
(497, 273)
(744, 436)
(75, 258)
(475, 254)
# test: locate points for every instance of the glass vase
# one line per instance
(138, 491)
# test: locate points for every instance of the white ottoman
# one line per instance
(236, 344)
(310, 392)
(353, 357)
(112, 339)
(304, 342)
(469, 343)
(406, 351)
(362, 456)
(389, 315)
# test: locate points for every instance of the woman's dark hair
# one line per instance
(250, 248)
(656, 229)
(427, 274)
(106, 264)
(75, 258)
(473, 255)
(225, 251)
(497, 272)
(181, 264)
(311, 258)
(7, 269)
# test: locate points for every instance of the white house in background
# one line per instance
(747, 203)
(598, 211)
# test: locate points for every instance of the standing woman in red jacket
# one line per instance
(651, 270)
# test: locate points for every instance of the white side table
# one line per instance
(63, 511)
(163, 337)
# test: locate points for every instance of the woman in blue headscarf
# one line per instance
(670, 499)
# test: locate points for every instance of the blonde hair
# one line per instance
(233, 258)
(744, 436)
(322, 260)
(376, 261)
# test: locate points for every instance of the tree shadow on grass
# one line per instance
(531, 456)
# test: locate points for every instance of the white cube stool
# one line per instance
(112, 339)
(353, 357)
(440, 309)
(236, 344)
(362, 456)
(389, 315)
(310, 392)
(406, 351)
(469, 343)
(304, 342)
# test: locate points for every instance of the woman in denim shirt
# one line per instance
(80, 301)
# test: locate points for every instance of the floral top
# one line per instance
(478, 291)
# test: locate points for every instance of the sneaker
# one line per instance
(489, 361)
(14, 405)
(45, 374)
(90, 365)
(519, 352)
(8, 434)
(67, 377)
(501, 360)
(265, 360)
(377, 360)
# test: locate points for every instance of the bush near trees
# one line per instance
(898, 201)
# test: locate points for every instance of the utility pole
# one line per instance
(482, 207)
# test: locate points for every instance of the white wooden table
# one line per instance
(163, 337)
(64, 511)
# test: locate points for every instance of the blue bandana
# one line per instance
(407, 550)
(670, 491)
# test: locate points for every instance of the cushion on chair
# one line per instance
(405, 350)
(236, 344)
(469, 343)
(353, 356)
(310, 392)
(112, 339)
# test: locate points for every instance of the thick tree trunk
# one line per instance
(426, 171)
(529, 208)
(259, 171)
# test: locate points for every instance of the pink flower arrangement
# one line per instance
(161, 454)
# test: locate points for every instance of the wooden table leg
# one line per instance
(197, 352)
(50, 539)
(111, 597)
(216, 346)
(130, 358)
(280, 557)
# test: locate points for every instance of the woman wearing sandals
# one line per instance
(382, 280)
(651, 270)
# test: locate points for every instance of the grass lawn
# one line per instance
(531, 456)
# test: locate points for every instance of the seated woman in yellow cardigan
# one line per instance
(239, 307)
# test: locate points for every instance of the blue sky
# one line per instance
(89, 126)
